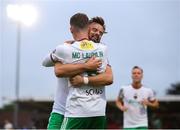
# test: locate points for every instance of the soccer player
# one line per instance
(97, 28)
(57, 114)
(134, 99)
(85, 106)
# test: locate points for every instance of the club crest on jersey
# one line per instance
(86, 45)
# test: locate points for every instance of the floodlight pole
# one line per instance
(17, 82)
(15, 14)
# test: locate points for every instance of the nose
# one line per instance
(97, 33)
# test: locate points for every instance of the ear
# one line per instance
(142, 75)
(71, 29)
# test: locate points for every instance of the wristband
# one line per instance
(86, 80)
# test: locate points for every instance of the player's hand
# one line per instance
(76, 81)
(93, 64)
(123, 108)
(145, 102)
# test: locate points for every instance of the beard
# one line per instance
(95, 38)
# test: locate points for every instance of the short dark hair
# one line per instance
(79, 20)
(98, 20)
(137, 67)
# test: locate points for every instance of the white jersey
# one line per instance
(86, 101)
(136, 114)
(60, 96)
(61, 91)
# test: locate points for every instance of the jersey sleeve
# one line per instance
(47, 61)
(151, 95)
(59, 54)
(107, 56)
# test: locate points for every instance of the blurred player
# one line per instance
(134, 99)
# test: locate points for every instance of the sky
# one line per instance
(140, 32)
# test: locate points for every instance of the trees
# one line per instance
(174, 89)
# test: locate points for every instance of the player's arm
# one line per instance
(152, 104)
(48, 60)
(119, 101)
(69, 70)
(102, 79)
(151, 101)
(120, 105)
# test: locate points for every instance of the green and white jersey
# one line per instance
(60, 96)
(136, 114)
(86, 101)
